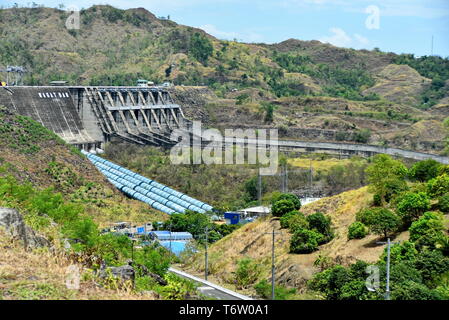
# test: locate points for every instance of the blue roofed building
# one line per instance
(176, 242)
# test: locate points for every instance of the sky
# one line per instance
(400, 26)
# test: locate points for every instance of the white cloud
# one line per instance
(246, 36)
(340, 38)
(211, 29)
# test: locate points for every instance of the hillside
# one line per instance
(314, 91)
(293, 270)
(36, 156)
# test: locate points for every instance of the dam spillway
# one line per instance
(87, 117)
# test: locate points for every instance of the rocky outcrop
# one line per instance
(12, 221)
(124, 273)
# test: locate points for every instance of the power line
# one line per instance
(272, 264)
(387, 289)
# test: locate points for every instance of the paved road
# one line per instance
(210, 289)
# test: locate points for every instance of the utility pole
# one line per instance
(206, 258)
(272, 264)
(259, 187)
(170, 237)
(311, 179)
(286, 178)
(387, 289)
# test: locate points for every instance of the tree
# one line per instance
(322, 224)
(357, 230)
(268, 108)
(366, 216)
(287, 196)
(439, 185)
(362, 136)
(201, 47)
(412, 205)
(432, 265)
(443, 203)
(427, 231)
(251, 188)
(282, 207)
(293, 220)
(305, 241)
(425, 170)
(384, 222)
(386, 176)
(405, 251)
(410, 290)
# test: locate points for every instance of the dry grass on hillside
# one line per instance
(41, 275)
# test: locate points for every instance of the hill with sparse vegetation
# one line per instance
(307, 89)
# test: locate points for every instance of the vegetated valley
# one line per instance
(309, 90)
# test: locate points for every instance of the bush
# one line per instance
(287, 196)
(386, 176)
(247, 272)
(201, 47)
(298, 221)
(282, 207)
(412, 205)
(383, 221)
(432, 265)
(410, 290)
(438, 186)
(305, 241)
(425, 170)
(322, 224)
(293, 219)
(443, 203)
(405, 251)
(263, 289)
(330, 282)
(362, 136)
(357, 230)
(427, 231)
(365, 216)
(377, 200)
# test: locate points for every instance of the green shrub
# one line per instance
(322, 224)
(425, 170)
(263, 289)
(410, 290)
(298, 221)
(357, 230)
(432, 265)
(438, 186)
(305, 241)
(287, 196)
(383, 221)
(282, 207)
(286, 219)
(411, 206)
(427, 231)
(386, 176)
(201, 47)
(247, 272)
(377, 200)
(405, 251)
(443, 203)
(365, 216)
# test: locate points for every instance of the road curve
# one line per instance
(211, 289)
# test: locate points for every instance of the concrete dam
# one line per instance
(87, 117)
